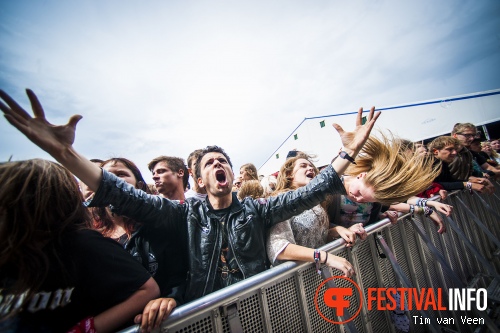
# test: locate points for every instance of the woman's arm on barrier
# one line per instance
(435, 205)
(301, 253)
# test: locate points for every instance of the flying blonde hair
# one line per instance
(393, 175)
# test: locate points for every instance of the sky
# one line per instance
(157, 78)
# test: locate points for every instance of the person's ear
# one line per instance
(361, 175)
(140, 184)
(200, 183)
(180, 173)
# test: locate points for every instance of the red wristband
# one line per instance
(84, 326)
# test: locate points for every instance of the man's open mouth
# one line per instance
(220, 175)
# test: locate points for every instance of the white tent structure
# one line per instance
(415, 121)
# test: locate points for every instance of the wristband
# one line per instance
(316, 260)
(84, 326)
(428, 211)
(326, 258)
(469, 187)
(346, 156)
(412, 209)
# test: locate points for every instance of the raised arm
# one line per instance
(57, 140)
(353, 141)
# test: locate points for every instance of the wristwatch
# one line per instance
(346, 156)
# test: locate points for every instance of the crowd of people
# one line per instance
(108, 250)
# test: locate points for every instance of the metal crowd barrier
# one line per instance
(410, 254)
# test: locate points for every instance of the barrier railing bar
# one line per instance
(480, 224)
(471, 247)
(403, 278)
(488, 207)
(444, 265)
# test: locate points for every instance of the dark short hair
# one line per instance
(206, 150)
(174, 163)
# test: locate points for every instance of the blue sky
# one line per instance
(166, 77)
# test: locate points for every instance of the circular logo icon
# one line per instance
(337, 298)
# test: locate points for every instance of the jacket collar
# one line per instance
(236, 206)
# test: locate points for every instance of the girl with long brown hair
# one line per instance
(55, 271)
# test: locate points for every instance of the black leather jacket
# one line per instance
(194, 222)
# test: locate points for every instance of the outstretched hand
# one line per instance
(51, 138)
(356, 139)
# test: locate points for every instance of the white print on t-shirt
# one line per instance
(39, 301)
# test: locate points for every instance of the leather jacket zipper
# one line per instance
(214, 254)
(232, 249)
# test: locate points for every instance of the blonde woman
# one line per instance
(380, 174)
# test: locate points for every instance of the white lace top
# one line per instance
(309, 229)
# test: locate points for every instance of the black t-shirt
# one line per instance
(164, 255)
(98, 274)
(228, 271)
(478, 158)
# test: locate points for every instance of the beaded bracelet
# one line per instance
(423, 203)
(428, 211)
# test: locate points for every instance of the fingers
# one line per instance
(13, 108)
(166, 308)
(35, 104)
(358, 230)
(349, 236)
(393, 217)
(155, 312)
(341, 264)
(361, 232)
(359, 118)
(338, 128)
(442, 227)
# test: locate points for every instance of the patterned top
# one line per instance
(354, 212)
(309, 229)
